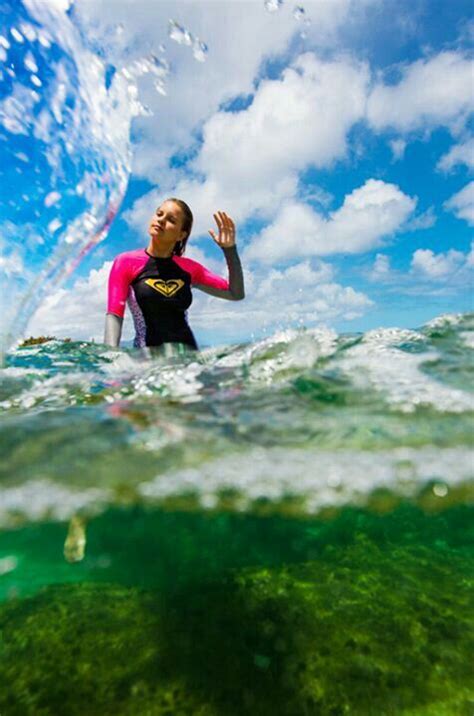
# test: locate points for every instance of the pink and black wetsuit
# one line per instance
(158, 293)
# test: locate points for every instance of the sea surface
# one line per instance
(276, 527)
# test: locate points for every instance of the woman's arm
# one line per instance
(235, 290)
(113, 330)
(226, 240)
(118, 287)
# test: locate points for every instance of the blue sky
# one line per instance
(345, 157)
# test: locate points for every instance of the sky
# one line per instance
(341, 146)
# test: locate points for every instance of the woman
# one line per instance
(157, 281)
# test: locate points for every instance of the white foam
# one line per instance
(377, 363)
(321, 478)
(44, 499)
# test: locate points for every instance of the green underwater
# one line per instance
(282, 527)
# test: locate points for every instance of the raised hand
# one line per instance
(226, 228)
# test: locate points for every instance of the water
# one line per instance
(277, 527)
(66, 110)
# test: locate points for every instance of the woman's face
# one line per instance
(166, 224)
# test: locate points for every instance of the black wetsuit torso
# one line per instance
(163, 292)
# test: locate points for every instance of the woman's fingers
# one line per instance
(226, 229)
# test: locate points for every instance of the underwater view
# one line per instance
(284, 526)
(281, 522)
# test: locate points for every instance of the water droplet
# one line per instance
(179, 34)
(159, 86)
(52, 198)
(54, 225)
(273, 5)
(44, 40)
(16, 35)
(440, 490)
(30, 63)
(36, 80)
(4, 42)
(162, 48)
(299, 13)
(3, 54)
(200, 50)
(28, 31)
(119, 29)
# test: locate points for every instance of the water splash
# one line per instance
(65, 119)
(179, 34)
(272, 5)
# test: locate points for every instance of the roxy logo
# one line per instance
(166, 288)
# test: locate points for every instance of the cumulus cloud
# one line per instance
(78, 312)
(381, 269)
(459, 154)
(303, 294)
(370, 213)
(398, 147)
(434, 91)
(438, 266)
(429, 273)
(462, 204)
(299, 120)
(425, 220)
(240, 36)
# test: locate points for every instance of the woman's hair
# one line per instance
(180, 246)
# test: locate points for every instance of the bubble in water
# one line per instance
(273, 5)
(8, 564)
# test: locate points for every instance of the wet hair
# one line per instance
(180, 246)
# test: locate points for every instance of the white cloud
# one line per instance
(459, 154)
(438, 266)
(422, 221)
(432, 92)
(299, 120)
(381, 268)
(462, 203)
(398, 147)
(77, 313)
(303, 294)
(240, 36)
(370, 213)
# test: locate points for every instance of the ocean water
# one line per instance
(276, 527)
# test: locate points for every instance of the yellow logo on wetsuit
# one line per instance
(167, 288)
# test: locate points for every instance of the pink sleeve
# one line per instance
(204, 277)
(119, 282)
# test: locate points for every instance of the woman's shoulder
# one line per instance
(190, 265)
(131, 255)
(130, 259)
